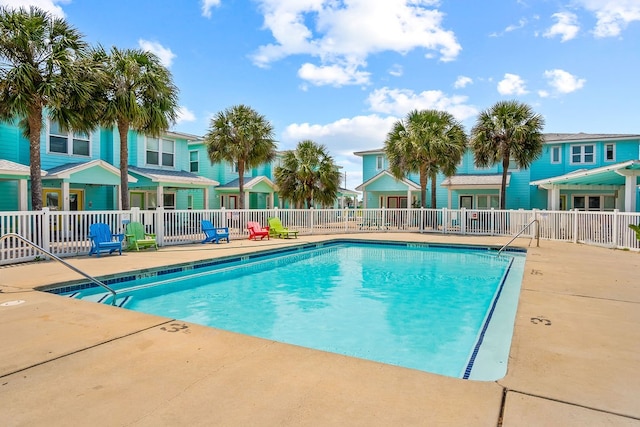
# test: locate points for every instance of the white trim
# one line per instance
(582, 154)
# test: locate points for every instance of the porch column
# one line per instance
(65, 196)
(246, 199)
(408, 198)
(630, 184)
(364, 200)
(553, 198)
(159, 198)
(22, 195)
(205, 198)
(449, 198)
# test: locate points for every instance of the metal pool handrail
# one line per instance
(35, 246)
(522, 231)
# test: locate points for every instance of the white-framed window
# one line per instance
(234, 167)
(379, 163)
(513, 165)
(594, 202)
(160, 152)
(169, 200)
(488, 201)
(68, 142)
(610, 152)
(583, 154)
(556, 155)
(194, 163)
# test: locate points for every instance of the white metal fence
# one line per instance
(65, 233)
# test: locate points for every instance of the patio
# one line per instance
(574, 354)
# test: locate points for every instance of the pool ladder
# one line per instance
(35, 246)
(537, 235)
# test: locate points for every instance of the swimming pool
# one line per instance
(446, 310)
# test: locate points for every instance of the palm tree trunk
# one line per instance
(503, 185)
(35, 127)
(123, 130)
(423, 186)
(241, 183)
(433, 190)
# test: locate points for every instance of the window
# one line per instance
(594, 203)
(234, 167)
(379, 163)
(583, 154)
(160, 152)
(65, 142)
(169, 201)
(609, 152)
(513, 165)
(193, 161)
(488, 201)
(556, 155)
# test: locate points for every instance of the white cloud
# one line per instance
(400, 101)
(346, 33)
(185, 115)
(397, 70)
(513, 27)
(543, 94)
(462, 81)
(164, 53)
(51, 6)
(512, 84)
(563, 82)
(207, 5)
(342, 138)
(335, 75)
(613, 15)
(566, 26)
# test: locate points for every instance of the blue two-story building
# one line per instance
(594, 172)
(173, 171)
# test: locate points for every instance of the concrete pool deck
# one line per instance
(574, 356)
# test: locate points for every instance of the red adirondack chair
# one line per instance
(256, 230)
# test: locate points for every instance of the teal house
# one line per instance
(591, 172)
(79, 170)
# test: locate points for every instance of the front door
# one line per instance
(394, 202)
(466, 202)
(52, 199)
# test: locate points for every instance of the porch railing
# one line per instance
(65, 234)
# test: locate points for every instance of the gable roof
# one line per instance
(385, 173)
(8, 167)
(66, 170)
(249, 183)
(172, 176)
(550, 138)
(478, 181)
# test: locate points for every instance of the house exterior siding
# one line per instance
(562, 154)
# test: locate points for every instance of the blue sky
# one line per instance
(341, 72)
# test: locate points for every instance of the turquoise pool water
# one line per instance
(416, 306)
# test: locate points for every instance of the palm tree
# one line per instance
(139, 95)
(243, 137)
(425, 142)
(508, 130)
(44, 68)
(308, 174)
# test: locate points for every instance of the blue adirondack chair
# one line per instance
(214, 234)
(103, 240)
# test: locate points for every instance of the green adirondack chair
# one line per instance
(278, 230)
(138, 238)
